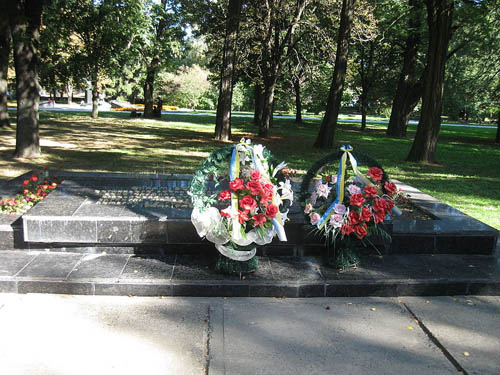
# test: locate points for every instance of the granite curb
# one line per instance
(280, 277)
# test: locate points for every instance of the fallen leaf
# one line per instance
(373, 309)
(349, 303)
(410, 328)
(466, 354)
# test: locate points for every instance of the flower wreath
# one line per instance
(349, 206)
(251, 210)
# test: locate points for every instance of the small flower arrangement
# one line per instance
(344, 206)
(34, 189)
(251, 210)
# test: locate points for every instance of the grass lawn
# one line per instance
(467, 176)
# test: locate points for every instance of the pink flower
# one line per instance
(255, 175)
(353, 189)
(259, 220)
(315, 218)
(323, 190)
(308, 208)
(336, 220)
(339, 208)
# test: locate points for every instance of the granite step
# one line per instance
(177, 274)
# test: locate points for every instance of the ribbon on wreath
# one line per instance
(341, 181)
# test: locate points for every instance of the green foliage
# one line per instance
(186, 87)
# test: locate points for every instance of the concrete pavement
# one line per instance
(73, 335)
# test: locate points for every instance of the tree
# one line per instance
(409, 88)
(278, 35)
(159, 44)
(325, 138)
(25, 19)
(4, 67)
(223, 117)
(439, 18)
(99, 33)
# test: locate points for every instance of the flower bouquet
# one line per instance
(346, 205)
(248, 207)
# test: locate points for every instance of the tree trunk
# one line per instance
(497, 140)
(267, 109)
(25, 18)
(298, 102)
(259, 105)
(4, 68)
(326, 135)
(223, 117)
(439, 17)
(409, 91)
(95, 94)
(148, 88)
(364, 108)
(69, 91)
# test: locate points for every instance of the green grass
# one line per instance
(467, 176)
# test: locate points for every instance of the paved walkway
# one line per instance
(73, 335)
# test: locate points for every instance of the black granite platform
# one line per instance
(92, 210)
(176, 274)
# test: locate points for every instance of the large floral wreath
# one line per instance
(343, 205)
(251, 210)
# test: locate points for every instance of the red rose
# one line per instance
(243, 216)
(379, 216)
(366, 214)
(271, 211)
(346, 229)
(255, 175)
(248, 203)
(224, 195)
(354, 217)
(390, 188)
(375, 173)
(254, 186)
(357, 200)
(34, 178)
(360, 231)
(259, 220)
(378, 205)
(370, 191)
(236, 184)
(26, 182)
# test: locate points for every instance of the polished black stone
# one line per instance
(11, 262)
(134, 289)
(55, 287)
(50, 265)
(149, 268)
(107, 266)
(295, 269)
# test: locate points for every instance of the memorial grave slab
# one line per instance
(129, 211)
